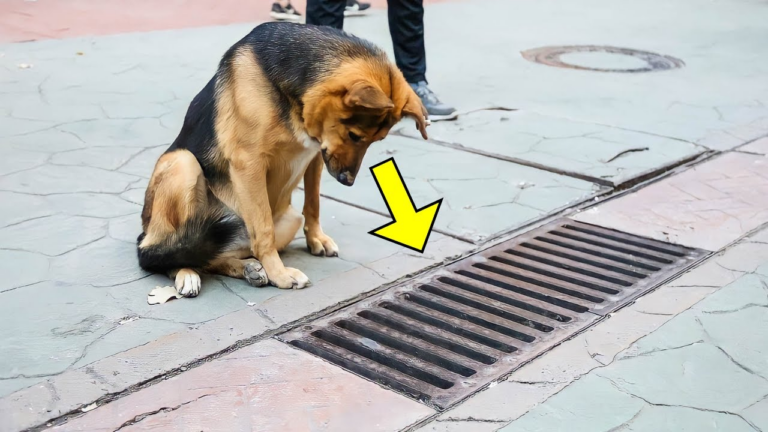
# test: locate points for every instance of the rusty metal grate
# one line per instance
(441, 337)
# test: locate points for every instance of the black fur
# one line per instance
(193, 245)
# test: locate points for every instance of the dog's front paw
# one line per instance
(289, 278)
(320, 244)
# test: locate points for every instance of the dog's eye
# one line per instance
(354, 137)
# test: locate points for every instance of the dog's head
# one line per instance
(356, 107)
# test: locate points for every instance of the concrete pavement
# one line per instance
(82, 127)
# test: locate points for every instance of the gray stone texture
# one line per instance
(79, 136)
(483, 197)
(603, 153)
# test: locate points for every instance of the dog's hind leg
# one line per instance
(184, 229)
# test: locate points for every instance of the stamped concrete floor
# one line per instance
(704, 370)
(81, 128)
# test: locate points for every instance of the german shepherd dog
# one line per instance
(285, 100)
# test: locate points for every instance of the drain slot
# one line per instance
(428, 337)
(598, 253)
(581, 259)
(486, 308)
(426, 319)
(568, 267)
(613, 247)
(406, 348)
(642, 245)
(360, 368)
(555, 275)
(383, 359)
(525, 292)
(469, 318)
(523, 276)
(501, 298)
(442, 337)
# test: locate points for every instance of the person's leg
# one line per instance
(406, 26)
(326, 12)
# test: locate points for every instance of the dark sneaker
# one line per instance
(355, 8)
(287, 13)
(436, 109)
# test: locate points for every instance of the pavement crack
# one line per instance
(655, 313)
(648, 402)
(264, 315)
(468, 419)
(122, 283)
(728, 311)
(710, 340)
(622, 153)
(143, 416)
(224, 284)
(27, 220)
(41, 91)
(627, 423)
(365, 266)
(130, 159)
(22, 286)
(654, 351)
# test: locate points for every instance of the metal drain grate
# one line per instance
(443, 336)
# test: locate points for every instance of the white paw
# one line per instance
(188, 283)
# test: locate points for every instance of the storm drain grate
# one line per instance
(439, 338)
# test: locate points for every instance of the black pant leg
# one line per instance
(326, 12)
(406, 25)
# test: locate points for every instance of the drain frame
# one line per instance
(445, 335)
(550, 56)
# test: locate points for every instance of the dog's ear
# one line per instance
(361, 94)
(414, 109)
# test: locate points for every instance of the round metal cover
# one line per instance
(645, 61)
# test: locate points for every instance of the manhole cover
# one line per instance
(442, 337)
(602, 58)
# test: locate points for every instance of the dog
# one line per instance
(285, 100)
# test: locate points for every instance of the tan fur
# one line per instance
(176, 189)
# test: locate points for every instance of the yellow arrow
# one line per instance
(410, 227)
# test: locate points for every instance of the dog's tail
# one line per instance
(199, 240)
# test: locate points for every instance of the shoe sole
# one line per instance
(285, 17)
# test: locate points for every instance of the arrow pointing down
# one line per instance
(410, 227)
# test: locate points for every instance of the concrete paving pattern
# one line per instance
(88, 105)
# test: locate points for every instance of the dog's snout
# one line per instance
(346, 178)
